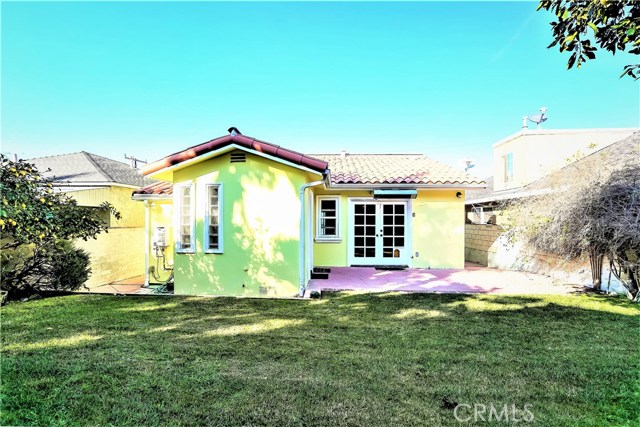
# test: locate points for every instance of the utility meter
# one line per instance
(160, 237)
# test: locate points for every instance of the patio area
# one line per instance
(131, 286)
(473, 279)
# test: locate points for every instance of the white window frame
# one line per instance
(338, 236)
(178, 231)
(508, 174)
(220, 248)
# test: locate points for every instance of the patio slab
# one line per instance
(469, 280)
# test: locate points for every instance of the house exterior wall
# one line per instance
(437, 230)
(260, 229)
(118, 254)
(531, 152)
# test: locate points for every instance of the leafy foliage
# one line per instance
(613, 25)
(34, 218)
(594, 217)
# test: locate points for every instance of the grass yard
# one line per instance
(347, 359)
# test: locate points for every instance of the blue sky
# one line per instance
(445, 79)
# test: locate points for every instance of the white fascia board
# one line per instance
(225, 150)
(406, 186)
(142, 197)
(518, 195)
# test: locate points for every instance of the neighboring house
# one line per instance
(91, 179)
(242, 216)
(529, 156)
(485, 243)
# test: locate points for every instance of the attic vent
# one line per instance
(238, 157)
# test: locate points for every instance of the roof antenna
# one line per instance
(234, 131)
(134, 160)
(538, 118)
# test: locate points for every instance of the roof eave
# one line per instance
(143, 197)
(158, 174)
(410, 186)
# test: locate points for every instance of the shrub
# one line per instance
(68, 267)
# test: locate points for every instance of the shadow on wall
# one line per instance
(489, 247)
(260, 239)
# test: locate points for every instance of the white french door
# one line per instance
(379, 232)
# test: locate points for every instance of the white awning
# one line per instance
(395, 194)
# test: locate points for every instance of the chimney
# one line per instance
(524, 122)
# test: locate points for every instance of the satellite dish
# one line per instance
(467, 164)
(539, 118)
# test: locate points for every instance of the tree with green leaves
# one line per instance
(580, 26)
(35, 221)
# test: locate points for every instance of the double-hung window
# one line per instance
(186, 219)
(213, 219)
(328, 218)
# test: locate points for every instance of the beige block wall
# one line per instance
(116, 255)
(480, 240)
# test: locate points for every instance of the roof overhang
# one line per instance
(85, 185)
(143, 197)
(512, 196)
(408, 186)
(166, 174)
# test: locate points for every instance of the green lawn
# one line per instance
(346, 359)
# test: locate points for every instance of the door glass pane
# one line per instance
(364, 231)
(393, 230)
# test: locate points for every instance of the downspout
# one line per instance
(147, 221)
(301, 254)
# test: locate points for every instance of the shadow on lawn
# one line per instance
(195, 319)
(347, 357)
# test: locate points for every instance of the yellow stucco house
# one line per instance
(240, 216)
(92, 179)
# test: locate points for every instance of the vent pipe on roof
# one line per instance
(525, 125)
(343, 153)
(234, 131)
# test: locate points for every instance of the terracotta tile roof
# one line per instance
(392, 169)
(157, 188)
(242, 141)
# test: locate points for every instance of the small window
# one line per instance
(185, 238)
(213, 219)
(508, 168)
(328, 218)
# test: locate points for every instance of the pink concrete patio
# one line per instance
(469, 280)
(131, 286)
